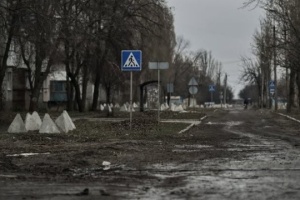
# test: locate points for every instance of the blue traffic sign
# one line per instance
(211, 88)
(131, 60)
(272, 85)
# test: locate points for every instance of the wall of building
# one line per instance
(7, 89)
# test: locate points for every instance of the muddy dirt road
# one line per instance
(232, 154)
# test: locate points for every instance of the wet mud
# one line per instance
(232, 154)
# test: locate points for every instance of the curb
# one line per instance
(289, 117)
(191, 125)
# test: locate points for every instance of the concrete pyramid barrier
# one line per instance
(101, 107)
(64, 122)
(173, 107)
(163, 107)
(71, 122)
(167, 106)
(28, 121)
(124, 108)
(37, 118)
(48, 126)
(132, 109)
(33, 122)
(117, 105)
(109, 109)
(179, 108)
(17, 125)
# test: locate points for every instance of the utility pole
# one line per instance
(286, 66)
(225, 88)
(275, 67)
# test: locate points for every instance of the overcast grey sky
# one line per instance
(220, 26)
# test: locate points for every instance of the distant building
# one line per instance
(16, 87)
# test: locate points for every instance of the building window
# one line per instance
(58, 86)
(58, 91)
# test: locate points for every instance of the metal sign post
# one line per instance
(158, 66)
(170, 90)
(211, 89)
(131, 60)
(130, 100)
(158, 90)
(221, 99)
(193, 89)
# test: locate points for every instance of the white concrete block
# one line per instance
(101, 107)
(109, 109)
(124, 108)
(163, 107)
(37, 118)
(64, 123)
(173, 106)
(17, 125)
(68, 117)
(33, 122)
(178, 108)
(48, 126)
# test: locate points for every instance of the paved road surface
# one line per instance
(237, 154)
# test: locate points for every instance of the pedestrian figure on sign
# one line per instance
(131, 61)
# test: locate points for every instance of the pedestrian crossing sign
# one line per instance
(272, 84)
(211, 88)
(131, 60)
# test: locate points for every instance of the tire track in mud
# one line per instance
(255, 175)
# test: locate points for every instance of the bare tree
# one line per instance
(39, 41)
(286, 22)
(9, 23)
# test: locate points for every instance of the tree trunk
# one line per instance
(35, 92)
(291, 91)
(96, 90)
(108, 96)
(3, 64)
(1, 92)
(77, 92)
(84, 87)
(77, 96)
(70, 105)
(33, 106)
(98, 79)
(298, 86)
